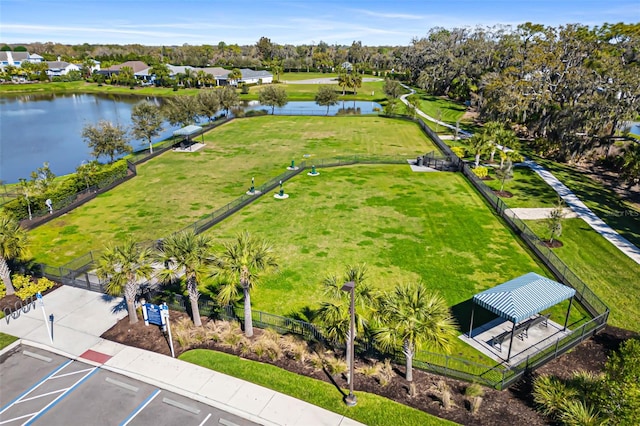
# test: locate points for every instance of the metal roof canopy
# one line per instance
(187, 131)
(522, 297)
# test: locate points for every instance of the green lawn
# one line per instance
(6, 340)
(528, 189)
(176, 189)
(608, 272)
(620, 215)
(371, 409)
(370, 91)
(405, 226)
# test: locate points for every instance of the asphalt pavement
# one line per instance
(86, 362)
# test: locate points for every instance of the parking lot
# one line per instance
(42, 388)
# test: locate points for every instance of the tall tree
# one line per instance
(411, 317)
(43, 178)
(146, 121)
(189, 255)
(273, 96)
(242, 264)
(125, 267)
(392, 88)
(181, 110)
(13, 246)
(209, 100)
(106, 138)
(28, 188)
(228, 98)
(160, 72)
(326, 96)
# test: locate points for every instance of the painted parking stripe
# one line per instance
(41, 395)
(140, 407)
(18, 418)
(61, 397)
(205, 419)
(72, 373)
(32, 388)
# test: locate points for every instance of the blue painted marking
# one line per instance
(61, 397)
(140, 407)
(35, 386)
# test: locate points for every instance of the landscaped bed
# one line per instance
(512, 406)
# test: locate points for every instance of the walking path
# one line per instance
(537, 213)
(583, 212)
(81, 316)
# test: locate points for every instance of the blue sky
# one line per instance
(196, 22)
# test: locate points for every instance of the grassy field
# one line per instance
(370, 91)
(176, 189)
(371, 410)
(622, 216)
(528, 189)
(608, 272)
(405, 226)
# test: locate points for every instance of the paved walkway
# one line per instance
(583, 212)
(403, 98)
(81, 316)
(537, 213)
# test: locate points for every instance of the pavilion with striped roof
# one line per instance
(521, 298)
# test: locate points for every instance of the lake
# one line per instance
(47, 128)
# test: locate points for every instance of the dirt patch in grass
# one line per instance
(552, 244)
(503, 194)
(512, 406)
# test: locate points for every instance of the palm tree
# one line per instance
(411, 317)
(187, 254)
(343, 79)
(126, 266)
(479, 143)
(13, 245)
(234, 75)
(334, 315)
(492, 129)
(241, 265)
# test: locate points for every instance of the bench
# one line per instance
(521, 331)
(496, 341)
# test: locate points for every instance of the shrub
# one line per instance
(335, 365)
(445, 394)
(27, 286)
(386, 373)
(459, 151)
(181, 331)
(295, 348)
(371, 370)
(245, 89)
(481, 171)
(550, 394)
(474, 393)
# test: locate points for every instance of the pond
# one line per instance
(47, 128)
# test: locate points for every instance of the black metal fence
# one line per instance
(77, 273)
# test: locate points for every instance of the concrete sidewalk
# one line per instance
(583, 212)
(81, 316)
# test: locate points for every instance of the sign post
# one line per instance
(158, 315)
(46, 322)
(165, 318)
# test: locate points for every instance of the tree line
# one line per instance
(569, 88)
